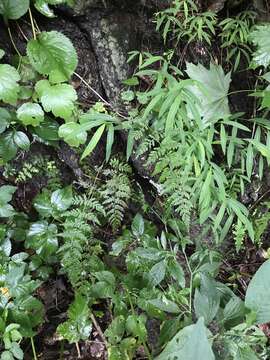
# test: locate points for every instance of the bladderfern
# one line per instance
(116, 192)
(78, 227)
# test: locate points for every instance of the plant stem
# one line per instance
(32, 24)
(78, 350)
(98, 95)
(13, 43)
(33, 348)
(238, 91)
(98, 328)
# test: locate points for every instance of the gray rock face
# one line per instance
(112, 36)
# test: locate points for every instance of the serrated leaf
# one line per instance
(189, 343)
(258, 294)
(9, 88)
(73, 134)
(213, 98)
(30, 114)
(59, 99)
(165, 305)
(78, 326)
(13, 9)
(53, 54)
(260, 38)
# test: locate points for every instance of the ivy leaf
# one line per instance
(9, 88)
(59, 99)
(212, 91)
(260, 38)
(73, 134)
(258, 294)
(30, 114)
(189, 343)
(13, 9)
(53, 54)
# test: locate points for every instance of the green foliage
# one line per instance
(202, 157)
(52, 54)
(13, 9)
(77, 327)
(9, 87)
(257, 296)
(117, 192)
(260, 38)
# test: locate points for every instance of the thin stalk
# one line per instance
(191, 281)
(78, 350)
(61, 350)
(32, 24)
(33, 348)
(13, 43)
(98, 95)
(238, 92)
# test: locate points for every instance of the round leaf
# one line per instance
(59, 99)
(53, 54)
(30, 114)
(13, 9)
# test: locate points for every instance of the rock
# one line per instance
(112, 36)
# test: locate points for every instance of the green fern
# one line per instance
(116, 192)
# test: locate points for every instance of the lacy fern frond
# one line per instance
(116, 192)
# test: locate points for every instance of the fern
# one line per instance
(116, 192)
(239, 233)
(77, 234)
(261, 223)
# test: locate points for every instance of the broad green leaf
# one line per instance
(258, 294)
(5, 119)
(165, 305)
(9, 88)
(157, 273)
(137, 225)
(78, 326)
(53, 54)
(48, 130)
(260, 38)
(206, 299)
(13, 9)
(21, 140)
(94, 141)
(62, 199)
(42, 237)
(212, 92)
(190, 343)
(73, 134)
(8, 148)
(30, 114)
(135, 325)
(59, 99)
